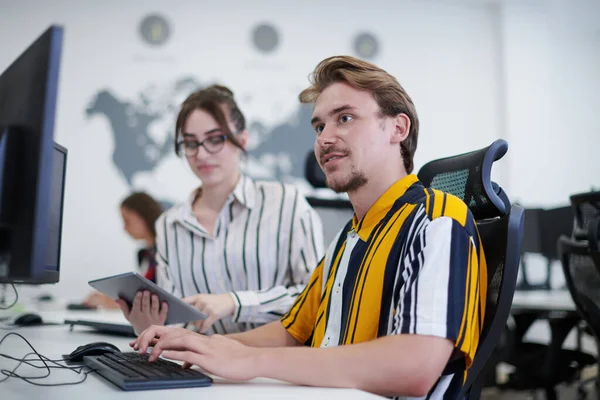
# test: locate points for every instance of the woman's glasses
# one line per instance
(212, 145)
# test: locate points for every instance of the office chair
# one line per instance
(313, 172)
(585, 206)
(532, 244)
(544, 366)
(581, 266)
(334, 212)
(554, 223)
(500, 225)
(542, 230)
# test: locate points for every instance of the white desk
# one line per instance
(543, 300)
(53, 341)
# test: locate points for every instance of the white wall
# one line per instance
(551, 55)
(477, 71)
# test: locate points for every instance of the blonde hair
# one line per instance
(388, 93)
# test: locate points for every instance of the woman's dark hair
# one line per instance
(146, 207)
(212, 99)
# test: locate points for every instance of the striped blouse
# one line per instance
(413, 265)
(267, 241)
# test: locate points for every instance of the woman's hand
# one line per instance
(146, 310)
(215, 306)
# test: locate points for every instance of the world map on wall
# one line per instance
(142, 130)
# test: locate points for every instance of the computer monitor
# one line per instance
(56, 206)
(29, 162)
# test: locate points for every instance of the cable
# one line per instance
(12, 373)
(30, 361)
(2, 307)
(40, 358)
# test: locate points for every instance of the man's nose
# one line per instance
(327, 137)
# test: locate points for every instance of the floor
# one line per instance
(564, 393)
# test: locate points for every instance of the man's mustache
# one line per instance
(329, 150)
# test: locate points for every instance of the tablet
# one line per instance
(125, 286)
(104, 327)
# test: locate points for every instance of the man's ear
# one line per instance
(401, 128)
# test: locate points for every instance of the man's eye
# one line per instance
(319, 128)
(346, 118)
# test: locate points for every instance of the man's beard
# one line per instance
(352, 183)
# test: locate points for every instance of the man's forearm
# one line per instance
(270, 335)
(390, 366)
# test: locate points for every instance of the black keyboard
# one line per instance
(133, 371)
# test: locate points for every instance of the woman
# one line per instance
(239, 250)
(139, 212)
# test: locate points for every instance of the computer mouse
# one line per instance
(80, 307)
(92, 349)
(28, 319)
(45, 297)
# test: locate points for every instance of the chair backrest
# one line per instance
(593, 234)
(554, 223)
(468, 177)
(532, 236)
(585, 207)
(313, 172)
(334, 214)
(500, 225)
(581, 266)
(543, 227)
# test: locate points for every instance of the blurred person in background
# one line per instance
(139, 212)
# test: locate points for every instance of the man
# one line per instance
(396, 305)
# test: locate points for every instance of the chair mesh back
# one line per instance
(586, 212)
(585, 276)
(454, 182)
(461, 176)
(583, 279)
(586, 206)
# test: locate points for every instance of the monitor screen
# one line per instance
(55, 209)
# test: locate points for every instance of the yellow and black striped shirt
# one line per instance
(413, 265)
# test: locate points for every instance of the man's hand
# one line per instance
(215, 306)
(146, 310)
(217, 355)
